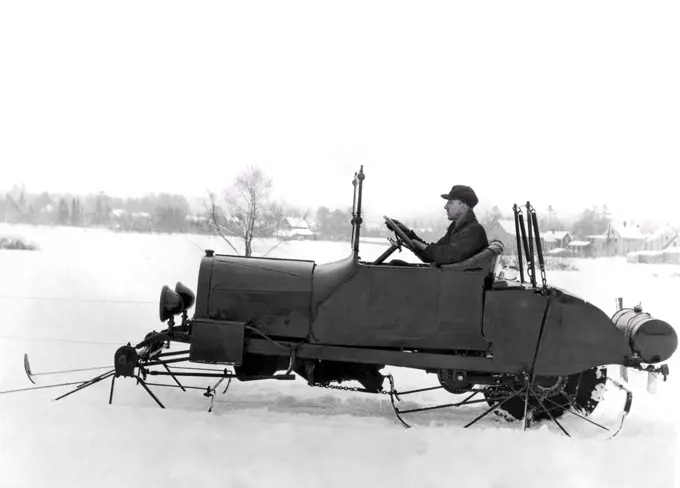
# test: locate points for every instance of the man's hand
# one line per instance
(405, 229)
(409, 232)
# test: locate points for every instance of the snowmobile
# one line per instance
(532, 351)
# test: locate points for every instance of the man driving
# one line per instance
(464, 238)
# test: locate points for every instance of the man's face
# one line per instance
(454, 209)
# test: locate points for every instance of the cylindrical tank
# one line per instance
(652, 339)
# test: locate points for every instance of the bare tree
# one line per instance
(491, 216)
(247, 212)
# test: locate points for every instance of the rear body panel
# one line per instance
(578, 336)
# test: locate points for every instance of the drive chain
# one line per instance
(348, 388)
(383, 391)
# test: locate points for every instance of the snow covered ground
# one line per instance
(87, 291)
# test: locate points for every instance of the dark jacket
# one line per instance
(462, 240)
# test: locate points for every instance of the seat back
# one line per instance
(485, 260)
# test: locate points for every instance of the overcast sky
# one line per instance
(564, 103)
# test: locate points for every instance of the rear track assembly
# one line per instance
(526, 393)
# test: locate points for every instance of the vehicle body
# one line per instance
(534, 351)
(460, 316)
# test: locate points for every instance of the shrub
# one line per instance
(16, 243)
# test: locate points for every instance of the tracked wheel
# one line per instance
(453, 382)
(579, 392)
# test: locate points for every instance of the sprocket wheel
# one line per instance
(453, 381)
(579, 392)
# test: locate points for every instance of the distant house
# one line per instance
(197, 219)
(662, 239)
(555, 239)
(601, 245)
(619, 239)
(671, 254)
(504, 230)
(295, 228)
(140, 221)
(581, 248)
(626, 237)
(197, 222)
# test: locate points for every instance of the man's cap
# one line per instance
(463, 193)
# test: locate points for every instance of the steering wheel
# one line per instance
(402, 237)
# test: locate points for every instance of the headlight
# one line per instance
(188, 297)
(170, 304)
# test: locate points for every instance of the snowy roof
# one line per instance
(629, 231)
(507, 225)
(658, 234)
(297, 223)
(556, 234)
(644, 253)
(578, 243)
(295, 232)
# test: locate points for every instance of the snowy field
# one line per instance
(87, 291)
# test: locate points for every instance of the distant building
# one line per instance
(140, 221)
(600, 245)
(662, 239)
(295, 228)
(197, 219)
(661, 246)
(555, 239)
(504, 230)
(618, 239)
(625, 237)
(197, 223)
(581, 248)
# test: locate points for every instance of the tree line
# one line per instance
(161, 213)
(242, 210)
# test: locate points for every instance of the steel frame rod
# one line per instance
(113, 382)
(84, 385)
(174, 377)
(42, 387)
(467, 401)
(498, 405)
(143, 383)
